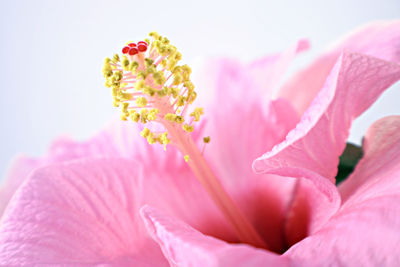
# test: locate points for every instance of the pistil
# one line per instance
(150, 86)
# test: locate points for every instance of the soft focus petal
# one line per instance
(184, 246)
(227, 80)
(62, 149)
(234, 145)
(318, 140)
(83, 212)
(19, 169)
(241, 124)
(365, 232)
(379, 39)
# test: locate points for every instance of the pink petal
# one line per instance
(19, 169)
(62, 149)
(227, 80)
(234, 145)
(365, 231)
(317, 141)
(379, 39)
(83, 212)
(308, 211)
(375, 174)
(184, 246)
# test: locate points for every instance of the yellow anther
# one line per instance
(186, 157)
(206, 139)
(176, 69)
(159, 77)
(179, 119)
(170, 117)
(125, 63)
(181, 101)
(153, 114)
(115, 58)
(141, 89)
(177, 79)
(133, 66)
(187, 128)
(186, 68)
(107, 71)
(197, 113)
(116, 103)
(163, 139)
(141, 101)
(123, 117)
(154, 35)
(141, 75)
(178, 56)
(143, 115)
(171, 64)
(145, 132)
(165, 40)
(135, 116)
(189, 85)
(118, 75)
(151, 70)
(186, 73)
(162, 92)
(124, 96)
(150, 139)
(148, 62)
(140, 85)
(173, 91)
(191, 97)
(107, 84)
(149, 90)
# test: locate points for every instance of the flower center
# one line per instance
(153, 90)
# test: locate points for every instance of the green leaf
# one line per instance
(348, 161)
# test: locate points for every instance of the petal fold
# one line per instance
(365, 231)
(377, 39)
(184, 246)
(319, 138)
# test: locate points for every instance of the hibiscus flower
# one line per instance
(117, 201)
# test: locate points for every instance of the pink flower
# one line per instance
(116, 201)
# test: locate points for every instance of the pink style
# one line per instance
(261, 193)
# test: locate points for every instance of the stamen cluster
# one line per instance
(149, 86)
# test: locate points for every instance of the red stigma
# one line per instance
(125, 49)
(142, 48)
(133, 51)
(132, 45)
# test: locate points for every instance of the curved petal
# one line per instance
(365, 231)
(234, 145)
(309, 209)
(184, 246)
(317, 141)
(375, 173)
(225, 80)
(81, 213)
(18, 170)
(62, 149)
(378, 39)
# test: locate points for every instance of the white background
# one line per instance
(52, 53)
